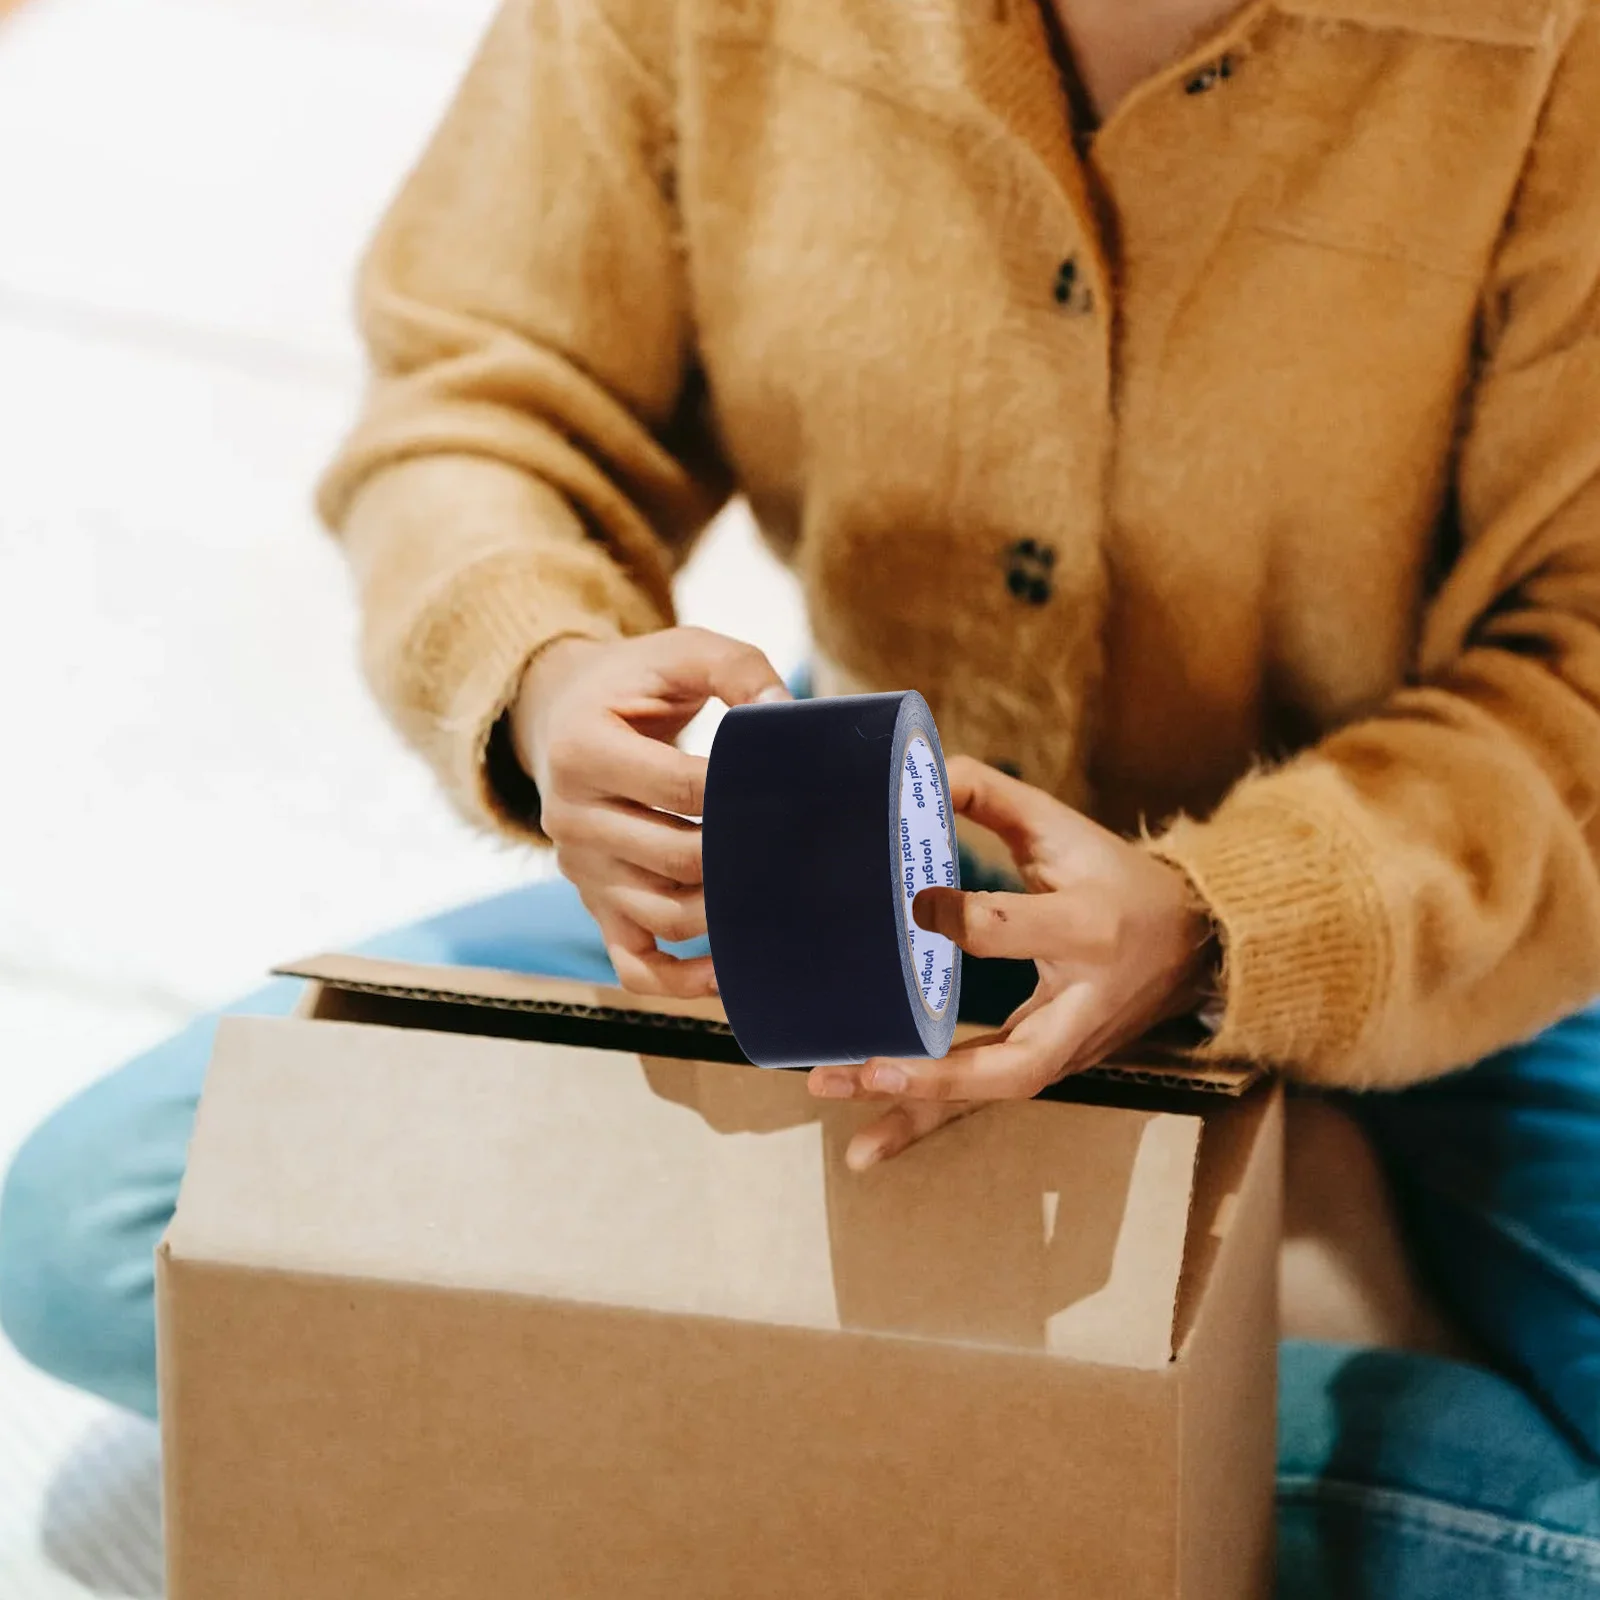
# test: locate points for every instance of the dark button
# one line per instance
(1210, 77)
(1069, 291)
(1028, 571)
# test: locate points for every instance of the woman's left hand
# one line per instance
(1120, 939)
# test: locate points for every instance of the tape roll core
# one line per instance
(824, 819)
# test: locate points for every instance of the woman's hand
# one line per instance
(1120, 940)
(594, 725)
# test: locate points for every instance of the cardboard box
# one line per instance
(452, 1310)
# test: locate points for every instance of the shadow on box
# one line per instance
(918, 1258)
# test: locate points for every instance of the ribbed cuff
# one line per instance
(467, 570)
(497, 617)
(1305, 936)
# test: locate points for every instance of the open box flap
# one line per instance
(614, 1018)
(683, 1187)
(488, 986)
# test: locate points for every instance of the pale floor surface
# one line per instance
(196, 783)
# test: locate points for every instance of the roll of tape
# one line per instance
(823, 821)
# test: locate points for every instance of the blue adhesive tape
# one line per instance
(823, 821)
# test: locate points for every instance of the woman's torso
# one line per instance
(1137, 466)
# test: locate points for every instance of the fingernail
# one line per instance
(711, 985)
(776, 692)
(888, 1080)
(863, 1159)
(832, 1088)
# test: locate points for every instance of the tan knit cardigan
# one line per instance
(1238, 476)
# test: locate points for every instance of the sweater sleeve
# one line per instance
(532, 461)
(1421, 888)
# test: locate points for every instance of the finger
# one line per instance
(899, 1130)
(654, 972)
(1038, 1051)
(695, 663)
(1018, 927)
(675, 915)
(1033, 1003)
(618, 762)
(644, 969)
(666, 847)
(678, 978)
(851, 1082)
(1016, 811)
(665, 910)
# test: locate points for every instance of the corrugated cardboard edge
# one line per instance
(494, 989)
(497, 989)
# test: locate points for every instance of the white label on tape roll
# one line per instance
(927, 861)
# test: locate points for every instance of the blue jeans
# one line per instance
(1399, 1475)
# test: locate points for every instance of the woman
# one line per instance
(1201, 406)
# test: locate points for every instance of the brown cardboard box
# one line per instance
(448, 1310)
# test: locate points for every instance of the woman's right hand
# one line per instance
(594, 724)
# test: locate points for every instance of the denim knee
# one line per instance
(1494, 1171)
(75, 1280)
(84, 1206)
(1403, 1474)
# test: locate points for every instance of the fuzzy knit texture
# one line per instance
(1237, 478)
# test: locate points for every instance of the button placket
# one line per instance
(1071, 293)
(1030, 566)
(1209, 77)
